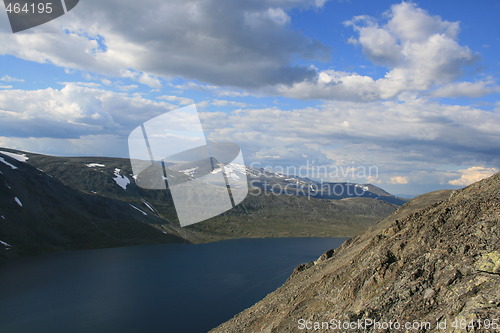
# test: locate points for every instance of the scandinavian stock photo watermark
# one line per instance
(300, 180)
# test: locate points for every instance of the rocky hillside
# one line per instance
(436, 261)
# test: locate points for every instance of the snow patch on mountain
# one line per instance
(365, 188)
(121, 180)
(7, 245)
(190, 172)
(233, 171)
(140, 210)
(16, 199)
(7, 163)
(19, 157)
(95, 165)
(148, 205)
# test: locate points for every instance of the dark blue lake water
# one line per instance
(157, 288)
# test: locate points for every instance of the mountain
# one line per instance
(40, 214)
(271, 182)
(435, 260)
(87, 202)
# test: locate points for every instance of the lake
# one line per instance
(154, 288)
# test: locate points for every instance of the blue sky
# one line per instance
(410, 88)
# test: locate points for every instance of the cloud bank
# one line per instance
(224, 42)
(421, 52)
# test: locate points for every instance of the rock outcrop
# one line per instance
(433, 264)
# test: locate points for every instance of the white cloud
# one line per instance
(216, 90)
(414, 24)
(333, 85)
(380, 45)
(401, 139)
(420, 51)
(250, 45)
(276, 16)
(472, 174)
(128, 87)
(206, 40)
(467, 89)
(7, 78)
(73, 111)
(143, 78)
(231, 93)
(177, 99)
(149, 80)
(223, 102)
(399, 180)
(90, 145)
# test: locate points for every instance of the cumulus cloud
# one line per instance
(472, 174)
(234, 43)
(73, 111)
(419, 50)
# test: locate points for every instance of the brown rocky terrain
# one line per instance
(436, 260)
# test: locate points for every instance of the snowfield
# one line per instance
(190, 172)
(365, 188)
(7, 163)
(143, 212)
(19, 157)
(120, 180)
(148, 205)
(5, 244)
(232, 170)
(16, 199)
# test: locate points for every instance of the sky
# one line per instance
(403, 95)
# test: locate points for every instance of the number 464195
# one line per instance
(487, 324)
(32, 8)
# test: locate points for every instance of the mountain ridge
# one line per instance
(40, 214)
(94, 181)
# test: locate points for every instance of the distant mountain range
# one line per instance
(432, 266)
(52, 203)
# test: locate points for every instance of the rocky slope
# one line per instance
(435, 260)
